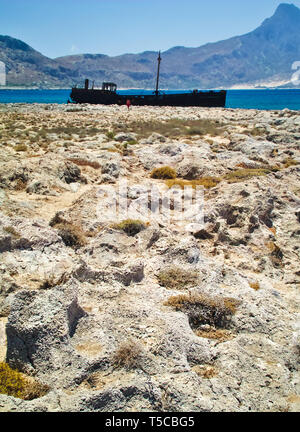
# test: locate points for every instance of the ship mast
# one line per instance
(158, 69)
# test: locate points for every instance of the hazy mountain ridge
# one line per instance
(264, 55)
(25, 66)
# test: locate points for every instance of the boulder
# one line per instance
(39, 329)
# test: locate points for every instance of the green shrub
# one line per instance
(246, 174)
(163, 173)
(110, 135)
(13, 383)
(130, 226)
(21, 148)
(206, 182)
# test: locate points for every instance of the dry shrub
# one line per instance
(230, 304)
(94, 381)
(205, 371)
(11, 230)
(130, 226)
(85, 162)
(203, 235)
(271, 246)
(203, 309)
(220, 335)
(163, 173)
(123, 149)
(254, 285)
(273, 168)
(176, 278)
(174, 128)
(54, 280)
(269, 168)
(20, 184)
(72, 235)
(257, 132)
(34, 390)
(290, 162)
(21, 148)
(13, 383)
(274, 153)
(246, 174)
(112, 150)
(128, 355)
(70, 129)
(276, 254)
(242, 165)
(204, 127)
(57, 219)
(206, 182)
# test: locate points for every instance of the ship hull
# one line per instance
(201, 99)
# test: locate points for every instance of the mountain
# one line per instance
(27, 67)
(261, 57)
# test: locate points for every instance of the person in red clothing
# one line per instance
(128, 103)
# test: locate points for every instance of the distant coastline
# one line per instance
(258, 98)
(163, 89)
(33, 88)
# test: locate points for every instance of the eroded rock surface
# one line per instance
(91, 310)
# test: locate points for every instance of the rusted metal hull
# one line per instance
(202, 99)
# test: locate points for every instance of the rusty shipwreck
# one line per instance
(108, 95)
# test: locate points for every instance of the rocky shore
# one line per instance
(150, 311)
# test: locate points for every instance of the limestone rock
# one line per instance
(39, 330)
(96, 323)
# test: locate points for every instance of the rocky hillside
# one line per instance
(264, 55)
(261, 57)
(156, 313)
(27, 67)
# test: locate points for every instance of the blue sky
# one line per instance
(113, 27)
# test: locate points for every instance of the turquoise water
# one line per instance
(248, 99)
(264, 99)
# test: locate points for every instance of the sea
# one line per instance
(262, 99)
